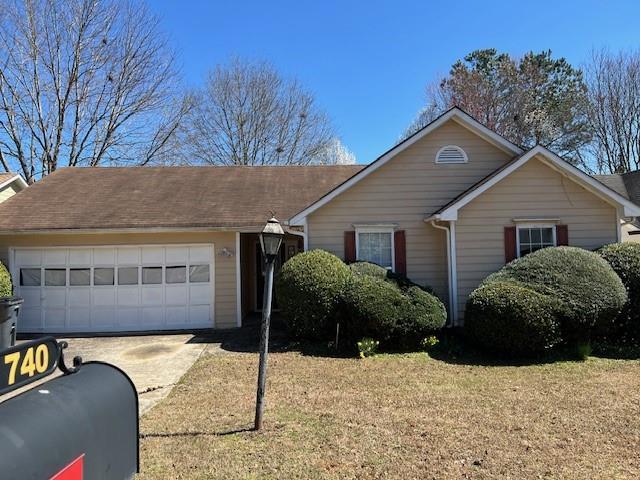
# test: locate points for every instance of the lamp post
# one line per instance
(270, 241)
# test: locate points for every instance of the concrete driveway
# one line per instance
(154, 362)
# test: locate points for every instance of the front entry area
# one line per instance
(113, 289)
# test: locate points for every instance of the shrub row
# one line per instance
(535, 302)
(316, 291)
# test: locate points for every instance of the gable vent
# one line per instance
(451, 154)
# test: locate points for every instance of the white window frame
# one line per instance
(377, 229)
(552, 226)
(464, 154)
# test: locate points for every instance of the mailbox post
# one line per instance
(82, 425)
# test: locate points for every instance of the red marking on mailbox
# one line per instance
(73, 471)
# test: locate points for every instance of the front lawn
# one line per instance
(397, 416)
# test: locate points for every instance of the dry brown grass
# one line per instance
(397, 416)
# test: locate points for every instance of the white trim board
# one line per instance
(554, 161)
(460, 117)
(16, 178)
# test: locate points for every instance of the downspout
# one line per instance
(452, 307)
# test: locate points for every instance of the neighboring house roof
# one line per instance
(626, 184)
(9, 178)
(450, 211)
(167, 197)
(456, 114)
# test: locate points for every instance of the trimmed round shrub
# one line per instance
(428, 313)
(373, 307)
(511, 319)
(367, 268)
(309, 288)
(590, 292)
(6, 287)
(624, 258)
(381, 309)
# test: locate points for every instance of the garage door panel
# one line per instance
(79, 297)
(29, 258)
(177, 295)
(200, 315)
(104, 296)
(103, 317)
(55, 318)
(177, 316)
(128, 317)
(80, 257)
(55, 258)
(129, 296)
(79, 318)
(30, 318)
(200, 294)
(128, 256)
(200, 254)
(152, 255)
(55, 297)
(104, 256)
(152, 296)
(31, 296)
(152, 316)
(177, 255)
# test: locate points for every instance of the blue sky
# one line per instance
(368, 62)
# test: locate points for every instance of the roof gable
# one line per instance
(454, 114)
(450, 211)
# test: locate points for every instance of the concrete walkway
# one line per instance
(154, 362)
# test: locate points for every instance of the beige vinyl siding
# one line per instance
(534, 190)
(224, 266)
(408, 187)
(7, 192)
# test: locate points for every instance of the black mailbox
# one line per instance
(80, 426)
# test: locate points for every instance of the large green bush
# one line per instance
(309, 288)
(624, 258)
(511, 319)
(6, 287)
(367, 268)
(378, 308)
(590, 292)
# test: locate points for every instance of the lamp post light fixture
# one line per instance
(270, 242)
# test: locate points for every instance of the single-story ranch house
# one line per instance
(135, 249)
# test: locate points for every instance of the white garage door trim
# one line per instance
(114, 308)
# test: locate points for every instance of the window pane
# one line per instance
(103, 276)
(30, 277)
(151, 275)
(199, 273)
(79, 276)
(176, 274)
(127, 275)
(375, 247)
(547, 235)
(524, 235)
(524, 249)
(536, 237)
(55, 277)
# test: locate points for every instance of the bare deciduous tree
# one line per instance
(614, 110)
(247, 114)
(83, 82)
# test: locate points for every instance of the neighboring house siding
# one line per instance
(626, 230)
(405, 190)
(535, 190)
(225, 266)
(7, 192)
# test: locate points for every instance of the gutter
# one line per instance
(451, 268)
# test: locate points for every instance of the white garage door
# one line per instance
(103, 289)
